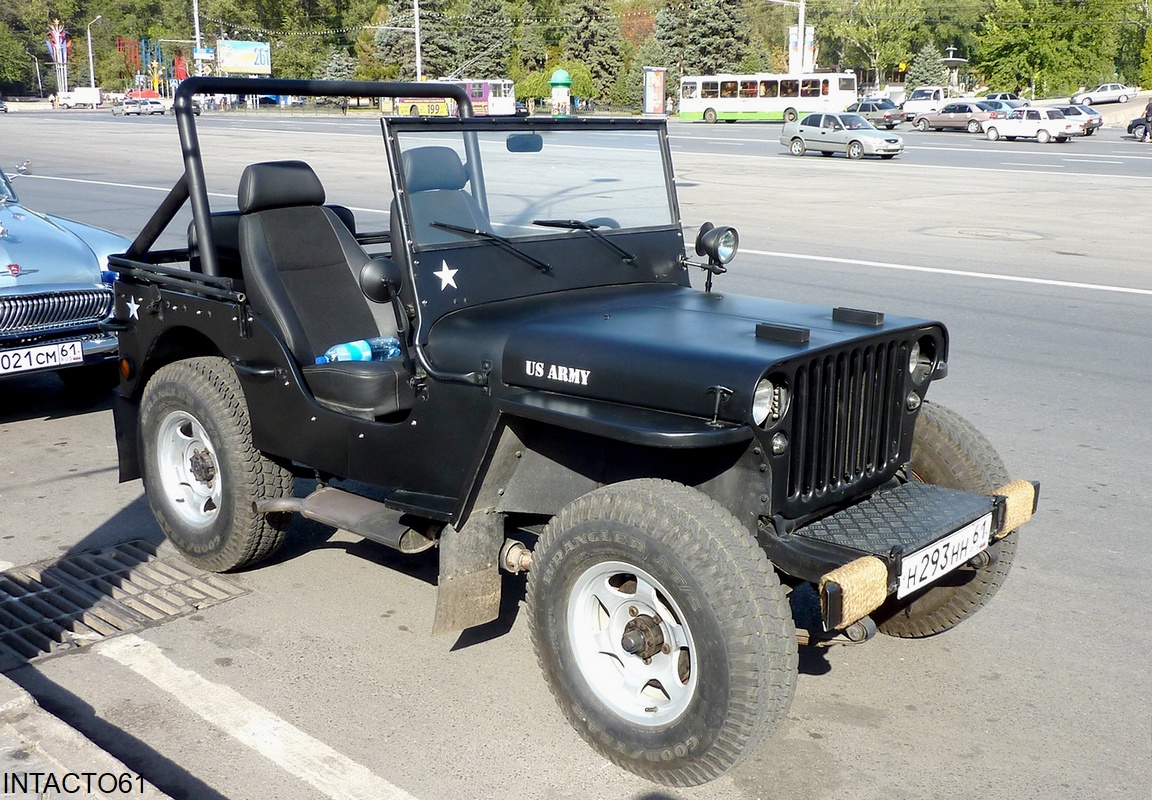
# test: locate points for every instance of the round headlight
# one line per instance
(922, 359)
(719, 243)
(763, 401)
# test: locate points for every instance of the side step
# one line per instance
(355, 514)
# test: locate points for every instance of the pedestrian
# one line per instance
(52, 100)
(1147, 122)
(344, 106)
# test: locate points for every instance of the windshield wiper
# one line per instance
(578, 225)
(500, 240)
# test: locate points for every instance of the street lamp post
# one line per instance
(91, 67)
(36, 63)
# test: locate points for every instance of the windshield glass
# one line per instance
(609, 179)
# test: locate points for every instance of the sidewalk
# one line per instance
(40, 756)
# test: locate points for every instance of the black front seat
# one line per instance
(299, 262)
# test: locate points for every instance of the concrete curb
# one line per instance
(39, 752)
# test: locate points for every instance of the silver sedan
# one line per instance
(830, 133)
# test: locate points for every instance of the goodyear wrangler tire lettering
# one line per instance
(638, 590)
(949, 451)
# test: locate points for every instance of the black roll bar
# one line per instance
(193, 177)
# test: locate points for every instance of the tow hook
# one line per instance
(515, 557)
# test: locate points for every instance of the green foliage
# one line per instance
(718, 39)
(338, 66)
(534, 85)
(484, 41)
(593, 38)
(878, 33)
(1050, 45)
(1146, 60)
(927, 69)
(583, 84)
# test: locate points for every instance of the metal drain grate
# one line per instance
(60, 605)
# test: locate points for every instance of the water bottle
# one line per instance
(378, 348)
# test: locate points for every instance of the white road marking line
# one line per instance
(329, 772)
(1020, 164)
(162, 189)
(1097, 287)
(1092, 161)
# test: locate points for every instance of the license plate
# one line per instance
(42, 356)
(939, 558)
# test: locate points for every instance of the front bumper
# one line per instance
(899, 522)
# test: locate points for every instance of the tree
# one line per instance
(338, 66)
(672, 35)
(718, 40)
(927, 68)
(879, 32)
(1146, 60)
(485, 41)
(594, 40)
(396, 47)
(1049, 45)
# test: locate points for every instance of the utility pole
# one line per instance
(39, 83)
(91, 68)
(196, 27)
(416, 15)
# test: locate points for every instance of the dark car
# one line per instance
(881, 112)
(966, 115)
(55, 292)
(3, 107)
(196, 107)
(1138, 127)
(667, 463)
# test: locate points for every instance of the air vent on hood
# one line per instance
(858, 316)
(788, 334)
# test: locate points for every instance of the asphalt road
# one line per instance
(1035, 256)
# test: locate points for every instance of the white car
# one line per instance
(1105, 93)
(1041, 124)
(151, 106)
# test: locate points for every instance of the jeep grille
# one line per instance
(44, 313)
(846, 429)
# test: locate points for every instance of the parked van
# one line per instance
(924, 99)
(82, 96)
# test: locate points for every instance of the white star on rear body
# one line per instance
(133, 308)
(447, 276)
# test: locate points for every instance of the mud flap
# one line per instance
(469, 586)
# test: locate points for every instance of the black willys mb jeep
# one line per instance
(668, 464)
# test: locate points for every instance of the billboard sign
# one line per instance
(245, 58)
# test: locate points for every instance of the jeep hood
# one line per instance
(656, 346)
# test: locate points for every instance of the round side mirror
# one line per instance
(380, 279)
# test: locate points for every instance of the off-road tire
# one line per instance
(195, 405)
(718, 600)
(949, 451)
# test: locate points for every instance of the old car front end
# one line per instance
(55, 290)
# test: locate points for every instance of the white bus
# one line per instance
(764, 95)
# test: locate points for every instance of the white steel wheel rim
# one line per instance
(180, 439)
(604, 599)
